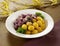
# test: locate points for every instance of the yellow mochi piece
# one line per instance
(39, 18)
(35, 25)
(30, 27)
(34, 31)
(39, 29)
(34, 20)
(24, 26)
(28, 23)
(28, 32)
(39, 23)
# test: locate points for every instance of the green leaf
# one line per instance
(39, 14)
(20, 30)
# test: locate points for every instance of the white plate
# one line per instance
(13, 16)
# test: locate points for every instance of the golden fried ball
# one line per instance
(24, 26)
(34, 20)
(43, 26)
(29, 23)
(39, 18)
(30, 28)
(39, 29)
(34, 31)
(39, 23)
(28, 32)
(35, 25)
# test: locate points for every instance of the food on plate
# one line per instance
(28, 32)
(35, 24)
(34, 31)
(31, 28)
(24, 26)
(30, 23)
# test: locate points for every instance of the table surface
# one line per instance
(7, 39)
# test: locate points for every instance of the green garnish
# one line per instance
(39, 14)
(20, 30)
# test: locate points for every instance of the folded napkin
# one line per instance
(51, 39)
